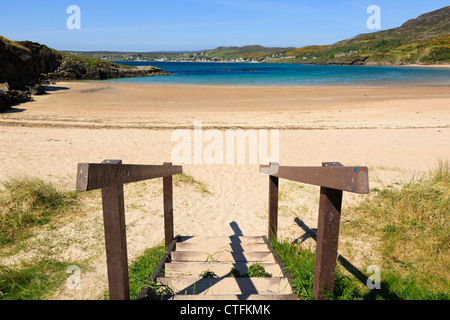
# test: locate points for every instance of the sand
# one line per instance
(395, 131)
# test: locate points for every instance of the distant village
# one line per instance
(177, 57)
(196, 57)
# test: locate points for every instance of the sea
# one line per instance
(286, 74)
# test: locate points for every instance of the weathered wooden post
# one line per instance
(330, 203)
(168, 208)
(115, 239)
(273, 208)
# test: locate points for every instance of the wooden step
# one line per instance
(221, 239)
(222, 256)
(228, 286)
(194, 269)
(215, 246)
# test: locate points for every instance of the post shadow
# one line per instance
(237, 231)
(312, 233)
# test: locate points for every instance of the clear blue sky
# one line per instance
(150, 25)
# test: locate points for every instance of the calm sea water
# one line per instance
(289, 74)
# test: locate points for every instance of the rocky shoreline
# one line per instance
(74, 70)
(26, 67)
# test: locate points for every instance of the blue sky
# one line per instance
(151, 25)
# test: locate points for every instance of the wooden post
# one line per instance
(115, 240)
(327, 240)
(273, 207)
(168, 208)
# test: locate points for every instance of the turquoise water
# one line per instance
(289, 74)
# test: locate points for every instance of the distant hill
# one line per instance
(424, 40)
(246, 52)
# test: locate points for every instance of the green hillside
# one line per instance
(424, 40)
(246, 52)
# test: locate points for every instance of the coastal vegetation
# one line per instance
(410, 224)
(27, 202)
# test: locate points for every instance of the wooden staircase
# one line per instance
(194, 256)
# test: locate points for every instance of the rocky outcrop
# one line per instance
(25, 66)
(22, 63)
(71, 69)
(21, 67)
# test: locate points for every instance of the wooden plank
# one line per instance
(220, 269)
(91, 176)
(222, 256)
(330, 203)
(214, 246)
(219, 286)
(221, 240)
(350, 179)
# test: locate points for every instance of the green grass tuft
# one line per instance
(27, 202)
(300, 263)
(33, 281)
(141, 269)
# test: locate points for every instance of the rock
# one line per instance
(22, 63)
(10, 97)
(77, 70)
(37, 90)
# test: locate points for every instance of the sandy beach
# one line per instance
(395, 131)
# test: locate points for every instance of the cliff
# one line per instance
(25, 66)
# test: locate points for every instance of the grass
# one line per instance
(207, 274)
(255, 270)
(91, 62)
(26, 202)
(141, 269)
(32, 281)
(186, 178)
(300, 263)
(410, 223)
(14, 44)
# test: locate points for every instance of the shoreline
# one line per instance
(305, 64)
